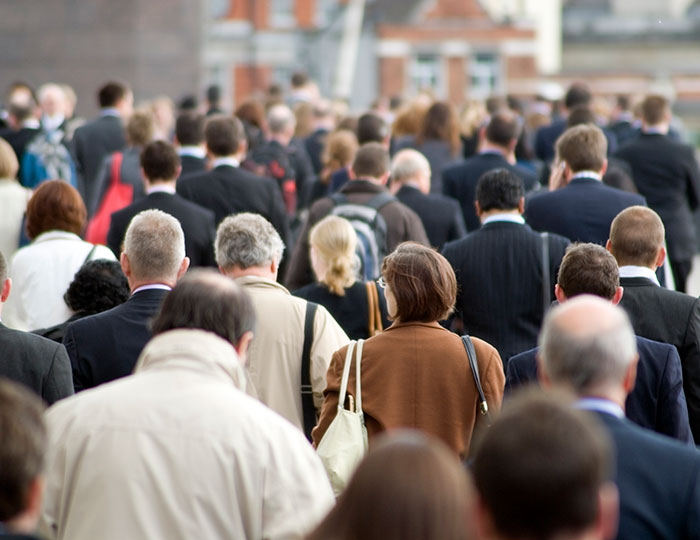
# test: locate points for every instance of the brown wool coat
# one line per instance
(417, 375)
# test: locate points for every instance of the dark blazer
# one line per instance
(438, 153)
(582, 211)
(670, 317)
(228, 190)
(658, 481)
(546, 138)
(315, 144)
(667, 175)
(105, 346)
(499, 277)
(192, 164)
(441, 216)
(40, 364)
(197, 224)
(91, 143)
(459, 181)
(657, 401)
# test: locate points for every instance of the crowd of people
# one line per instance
(199, 296)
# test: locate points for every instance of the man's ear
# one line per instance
(242, 346)
(542, 377)
(242, 147)
(559, 294)
(126, 265)
(521, 205)
(661, 257)
(5, 290)
(383, 179)
(618, 295)
(631, 375)
(477, 207)
(184, 265)
(608, 245)
(605, 167)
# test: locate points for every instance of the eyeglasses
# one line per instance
(381, 282)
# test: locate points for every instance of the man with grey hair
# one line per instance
(105, 346)
(249, 250)
(410, 183)
(587, 346)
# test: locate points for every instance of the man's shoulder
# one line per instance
(28, 341)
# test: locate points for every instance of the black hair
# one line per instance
(99, 285)
(499, 189)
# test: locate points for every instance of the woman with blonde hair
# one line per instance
(338, 153)
(357, 307)
(13, 201)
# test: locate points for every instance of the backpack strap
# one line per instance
(338, 198)
(380, 200)
(307, 395)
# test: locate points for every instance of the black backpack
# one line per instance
(271, 160)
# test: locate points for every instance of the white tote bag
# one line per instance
(345, 442)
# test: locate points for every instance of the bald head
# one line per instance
(587, 344)
(410, 166)
(637, 237)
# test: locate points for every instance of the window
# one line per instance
(326, 12)
(484, 73)
(281, 13)
(425, 73)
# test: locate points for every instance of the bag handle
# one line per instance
(358, 378)
(471, 354)
(546, 295)
(346, 375)
(370, 304)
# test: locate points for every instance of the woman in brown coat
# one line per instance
(416, 374)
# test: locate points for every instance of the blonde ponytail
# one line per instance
(334, 241)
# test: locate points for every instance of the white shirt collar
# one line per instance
(110, 111)
(600, 405)
(230, 161)
(511, 218)
(160, 286)
(194, 151)
(31, 123)
(587, 174)
(161, 188)
(630, 271)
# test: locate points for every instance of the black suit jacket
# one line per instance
(229, 190)
(192, 164)
(546, 138)
(39, 363)
(499, 277)
(105, 346)
(197, 224)
(91, 144)
(441, 216)
(459, 181)
(657, 401)
(658, 481)
(582, 211)
(670, 317)
(666, 173)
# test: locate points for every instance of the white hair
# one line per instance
(280, 118)
(408, 164)
(155, 246)
(247, 240)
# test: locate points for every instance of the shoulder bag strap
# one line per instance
(307, 395)
(378, 325)
(346, 376)
(89, 255)
(358, 378)
(546, 295)
(370, 304)
(116, 169)
(471, 354)
(379, 200)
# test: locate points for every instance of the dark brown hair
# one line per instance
(189, 128)
(409, 487)
(654, 109)
(503, 128)
(422, 282)
(253, 112)
(440, 123)
(160, 161)
(223, 135)
(588, 269)
(636, 235)
(371, 160)
(55, 205)
(111, 93)
(583, 147)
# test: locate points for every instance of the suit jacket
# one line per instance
(657, 401)
(197, 224)
(227, 190)
(582, 211)
(91, 143)
(670, 317)
(658, 481)
(314, 144)
(667, 174)
(105, 346)
(438, 153)
(546, 138)
(192, 164)
(38, 363)
(441, 216)
(431, 389)
(459, 181)
(499, 277)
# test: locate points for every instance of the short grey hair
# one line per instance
(587, 343)
(407, 164)
(155, 246)
(246, 240)
(280, 118)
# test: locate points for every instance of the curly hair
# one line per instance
(99, 285)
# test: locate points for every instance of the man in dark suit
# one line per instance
(637, 243)
(410, 183)
(159, 163)
(657, 401)
(229, 189)
(667, 174)
(580, 207)
(189, 138)
(105, 346)
(588, 347)
(503, 294)
(459, 181)
(316, 142)
(38, 363)
(102, 136)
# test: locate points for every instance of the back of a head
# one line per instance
(371, 128)
(439, 123)
(159, 161)
(655, 110)
(52, 98)
(581, 114)
(24, 439)
(189, 129)
(503, 128)
(577, 94)
(299, 79)
(588, 268)
(140, 128)
(8, 161)
(334, 240)
(587, 345)
(252, 112)
(98, 285)
(408, 487)
(247, 240)
(499, 189)
(583, 148)
(636, 236)
(213, 94)
(55, 205)
(111, 93)
(155, 245)
(371, 161)
(540, 468)
(280, 119)
(223, 135)
(340, 149)
(408, 164)
(206, 300)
